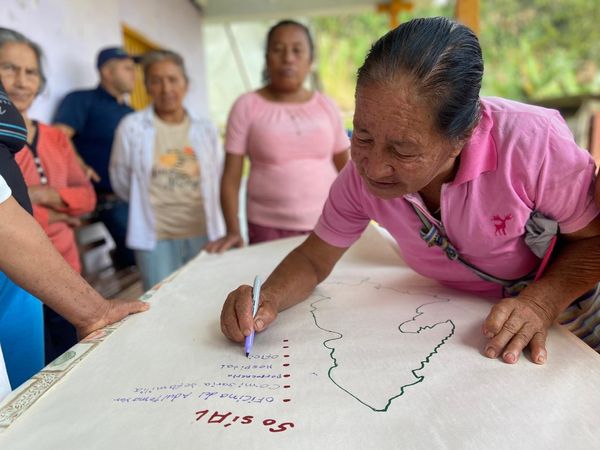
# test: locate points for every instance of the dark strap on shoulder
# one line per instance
(433, 237)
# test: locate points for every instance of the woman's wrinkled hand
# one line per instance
(514, 324)
(236, 316)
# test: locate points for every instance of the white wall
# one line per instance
(225, 82)
(72, 31)
(176, 25)
(236, 10)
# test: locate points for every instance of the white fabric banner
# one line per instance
(4, 383)
(378, 357)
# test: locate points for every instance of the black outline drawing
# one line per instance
(419, 378)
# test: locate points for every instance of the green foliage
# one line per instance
(342, 43)
(540, 48)
(532, 48)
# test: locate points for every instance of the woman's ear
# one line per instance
(457, 146)
(459, 143)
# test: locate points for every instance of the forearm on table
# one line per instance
(574, 270)
(296, 277)
(30, 260)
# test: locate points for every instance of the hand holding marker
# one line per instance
(255, 302)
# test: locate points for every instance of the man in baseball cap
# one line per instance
(90, 117)
(108, 53)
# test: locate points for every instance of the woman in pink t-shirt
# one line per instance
(294, 139)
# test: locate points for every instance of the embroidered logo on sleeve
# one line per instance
(500, 224)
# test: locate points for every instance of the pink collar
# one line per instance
(479, 154)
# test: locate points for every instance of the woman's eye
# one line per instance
(404, 157)
(363, 140)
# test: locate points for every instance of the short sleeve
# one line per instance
(565, 184)
(72, 111)
(341, 139)
(344, 218)
(13, 133)
(5, 191)
(238, 125)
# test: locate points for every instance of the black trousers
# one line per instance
(59, 335)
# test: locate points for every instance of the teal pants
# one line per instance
(21, 332)
(167, 256)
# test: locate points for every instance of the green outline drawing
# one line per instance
(419, 378)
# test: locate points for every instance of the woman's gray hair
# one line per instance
(8, 36)
(155, 56)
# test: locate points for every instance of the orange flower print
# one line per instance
(168, 160)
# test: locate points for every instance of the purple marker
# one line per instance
(255, 302)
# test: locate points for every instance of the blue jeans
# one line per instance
(167, 256)
(21, 332)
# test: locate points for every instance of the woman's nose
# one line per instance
(288, 55)
(375, 166)
(20, 78)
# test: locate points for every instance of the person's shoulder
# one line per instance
(135, 119)
(350, 176)
(246, 100)
(326, 103)
(53, 136)
(74, 107)
(245, 107)
(521, 117)
(79, 95)
(50, 132)
(350, 184)
(202, 122)
(324, 99)
(528, 134)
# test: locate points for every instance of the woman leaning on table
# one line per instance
(475, 191)
(294, 140)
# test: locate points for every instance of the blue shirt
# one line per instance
(94, 115)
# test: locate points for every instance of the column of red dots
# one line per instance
(286, 365)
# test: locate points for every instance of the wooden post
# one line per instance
(393, 8)
(467, 13)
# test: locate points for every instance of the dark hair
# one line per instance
(285, 23)
(288, 22)
(155, 56)
(444, 59)
(8, 36)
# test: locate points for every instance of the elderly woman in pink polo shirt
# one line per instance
(294, 139)
(427, 151)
